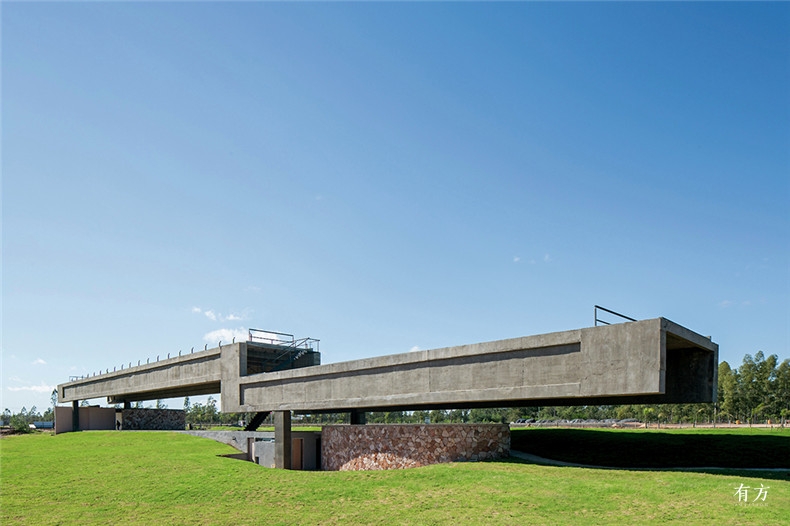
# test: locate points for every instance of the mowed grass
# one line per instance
(169, 478)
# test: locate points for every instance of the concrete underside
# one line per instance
(650, 361)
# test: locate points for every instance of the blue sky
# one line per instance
(386, 176)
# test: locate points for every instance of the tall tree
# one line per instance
(782, 390)
(727, 391)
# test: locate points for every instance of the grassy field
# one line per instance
(153, 478)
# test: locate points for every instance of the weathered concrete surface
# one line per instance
(237, 439)
(210, 371)
(650, 361)
(187, 375)
(90, 418)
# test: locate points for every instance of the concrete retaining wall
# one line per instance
(91, 418)
(304, 450)
(237, 439)
(393, 446)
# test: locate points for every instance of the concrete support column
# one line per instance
(358, 418)
(75, 415)
(127, 404)
(282, 439)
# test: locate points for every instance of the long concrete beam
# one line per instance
(650, 361)
(190, 374)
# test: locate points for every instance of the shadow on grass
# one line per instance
(732, 453)
(729, 472)
(236, 456)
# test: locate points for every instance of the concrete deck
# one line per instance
(650, 361)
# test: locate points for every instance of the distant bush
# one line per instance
(20, 424)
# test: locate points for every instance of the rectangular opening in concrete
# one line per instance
(265, 358)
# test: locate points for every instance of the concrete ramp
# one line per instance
(650, 361)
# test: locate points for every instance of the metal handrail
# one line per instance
(597, 320)
(288, 341)
(291, 343)
(275, 341)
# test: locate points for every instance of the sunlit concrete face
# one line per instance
(650, 361)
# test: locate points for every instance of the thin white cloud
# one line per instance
(35, 388)
(516, 259)
(226, 335)
(15, 379)
(38, 361)
(416, 348)
(726, 303)
(546, 258)
(217, 316)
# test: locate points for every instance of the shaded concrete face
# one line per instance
(191, 374)
(211, 371)
(89, 418)
(650, 361)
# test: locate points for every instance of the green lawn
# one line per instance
(155, 478)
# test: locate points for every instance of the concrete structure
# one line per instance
(95, 418)
(305, 450)
(90, 418)
(651, 361)
(196, 373)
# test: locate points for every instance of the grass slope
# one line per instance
(155, 478)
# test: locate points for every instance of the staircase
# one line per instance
(257, 420)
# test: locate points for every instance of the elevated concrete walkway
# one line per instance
(650, 361)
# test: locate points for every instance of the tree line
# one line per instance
(755, 392)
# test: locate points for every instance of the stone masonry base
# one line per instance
(153, 419)
(397, 446)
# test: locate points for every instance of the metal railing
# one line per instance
(284, 339)
(254, 335)
(598, 320)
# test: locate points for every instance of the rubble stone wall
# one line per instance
(398, 446)
(153, 419)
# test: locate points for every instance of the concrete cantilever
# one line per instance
(650, 361)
